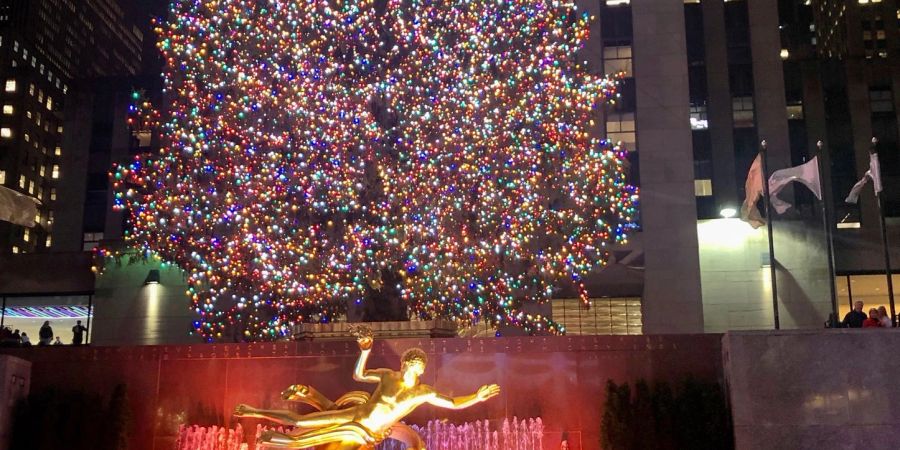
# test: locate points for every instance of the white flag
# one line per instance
(874, 173)
(17, 208)
(754, 190)
(807, 174)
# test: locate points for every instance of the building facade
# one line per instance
(46, 49)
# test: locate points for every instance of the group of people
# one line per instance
(877, 318)
(15, 338)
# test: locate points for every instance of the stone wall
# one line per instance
(834, 389)
(560, 379)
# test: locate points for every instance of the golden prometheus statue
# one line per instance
(357, 420)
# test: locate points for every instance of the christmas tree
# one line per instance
(314, 149)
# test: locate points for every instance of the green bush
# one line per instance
(692, 416)
(55, 419)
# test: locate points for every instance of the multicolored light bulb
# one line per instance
(311, 147)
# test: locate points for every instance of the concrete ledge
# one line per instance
(818, 389)
(406, 329)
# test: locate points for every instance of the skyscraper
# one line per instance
(46, 48)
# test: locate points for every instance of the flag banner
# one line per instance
(874, 174)
(754, 190)
(806, 174)
(17, 208)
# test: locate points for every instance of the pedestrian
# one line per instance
(45, 335)
(872, 321)
(26, 342)
(57, 341)
(856, 317)
(17, 338)
(884, 317)
(78, 333)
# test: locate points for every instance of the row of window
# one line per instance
(40, 66)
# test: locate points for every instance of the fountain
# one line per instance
(515, 434)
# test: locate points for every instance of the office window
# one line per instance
(881, 100)
(53, 194)
(621, 128)
(31, 89)
(742, 110)
(55, 174)
(40, 96)
(43, 170)
(795, 112)
(27, 137)
(15, 249)
(617, 60)
(26, 236)
(31, 187)
(10, 85)
(703, 188)
(59, 129)
(49, 103)
(49, 241)
(699, 118)
(8, 110)
(57, 151)
(6, 132)
(37, 119)
(22, 181)
(2, 177)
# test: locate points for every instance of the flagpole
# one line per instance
(829, 235)
(873, 150)
(765, 182)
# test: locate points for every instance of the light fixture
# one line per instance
(152, 277)
(728, 212)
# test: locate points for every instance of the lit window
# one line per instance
(53, 194)
(15, 46)
(10, 85)
(27, 137)
(31, 89)
(617, 60)
(795, 111)
(37, 119)
(6, 132)
(8, 110)
(49, 103)
(37, 217)
(49, 241)
(22, 181)
(2, 177)
(31, 187)
(58, 151)
(42, 170)
(699, 118)
(42, 69)
(27, 235)
(40, 96)
(55, 174)
(65, 89)
(620, 129)
(15, 249)
(703, 188)
(59, 129)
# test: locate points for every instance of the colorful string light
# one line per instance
(313, 146)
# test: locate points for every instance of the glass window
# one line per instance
(742, 110)
(2, 177)
(8, 110)
(53, 194)
(49, 241)
(57, 151)
(10, 85)
(6, 132)
(617, 60)
(26, 236)
(699, 118)
(49, 103)
(703, 188)
(22, 181)
(55, 172)
(31, 89)
(621, 128)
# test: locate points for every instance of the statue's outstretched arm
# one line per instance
(485, 392)
(360, 373)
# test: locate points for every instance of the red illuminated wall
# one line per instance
(560, 379)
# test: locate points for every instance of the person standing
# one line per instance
(78, 333)
(872, 321)
(45, 334)
(884, 318)
(856, 317)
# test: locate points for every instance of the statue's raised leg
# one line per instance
(281, 417)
